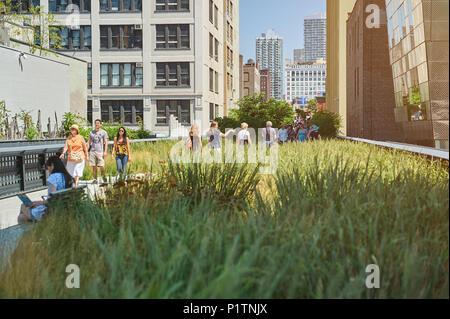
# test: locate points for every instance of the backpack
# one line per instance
(267, 134)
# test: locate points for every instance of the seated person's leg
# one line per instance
(24, 215)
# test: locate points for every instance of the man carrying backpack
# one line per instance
(269, 134)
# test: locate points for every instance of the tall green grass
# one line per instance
(223, 231)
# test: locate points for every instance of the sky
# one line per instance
(284, 16)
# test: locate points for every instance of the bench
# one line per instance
(66, 197)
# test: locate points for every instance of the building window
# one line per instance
(216, 82)
(216, 50)
(120, 5)
(125, 112)
(172, 5)
(211, 11)
(23, 5)
(211, 45)
(68, 6)
(120, 37)
(178, 108)
(216, 17)
(229, 57)
(211, 80)
(230, 9)
(173, 74)
(120, 75)
(89, 77)
(74, 39)
(211, 112)
(89, 111)
(172, 36)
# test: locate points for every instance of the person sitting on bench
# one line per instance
(59, 179)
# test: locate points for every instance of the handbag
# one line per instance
(76, 156)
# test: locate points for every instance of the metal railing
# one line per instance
(22, 169)
(429, 152)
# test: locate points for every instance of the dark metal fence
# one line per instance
(22, 169)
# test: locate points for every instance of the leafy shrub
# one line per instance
(111, 129)
(255, 110)
(329, 123)
(31, 133)
(227, 122)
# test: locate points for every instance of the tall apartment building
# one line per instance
(337, 14)
(370, 91)
(418, 32)
(299, 56)
(250, 78)
(315, 35)
(155, 58)
(269, 54)
(305, 82)
(265, 83)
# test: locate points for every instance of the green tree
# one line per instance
(329, 123)
(256, 111)
(227, 122)
(312, 105)
(44, 25)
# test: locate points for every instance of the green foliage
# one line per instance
(227, 122)
(31, 133)
(312, 105)
(301, 112)
(256, 111)
(34, 18)
(329, 123)
(111, 129)
(308, 232)
(70, 119)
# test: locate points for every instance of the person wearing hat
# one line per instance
(77, 150)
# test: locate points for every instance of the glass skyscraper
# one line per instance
(269, 54)
(315, 32)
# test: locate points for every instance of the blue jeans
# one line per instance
(121, 162)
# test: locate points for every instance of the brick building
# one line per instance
(250, 78)
(370, 90)
(265, 82)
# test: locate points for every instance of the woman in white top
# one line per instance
(244, 135)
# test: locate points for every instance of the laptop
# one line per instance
(25, 199)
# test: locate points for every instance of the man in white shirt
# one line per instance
(269, 134)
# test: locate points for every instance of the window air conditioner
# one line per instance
(139, 64)
(138, 26)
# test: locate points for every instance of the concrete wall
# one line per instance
(337, 14)
(42, 85)
(77, 70)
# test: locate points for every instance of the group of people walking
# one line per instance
(301, 130)
(79, 151)
(94, 151)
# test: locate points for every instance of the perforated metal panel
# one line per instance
(440, 130)
(438, 51)
(438, 91)
(439, 110)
